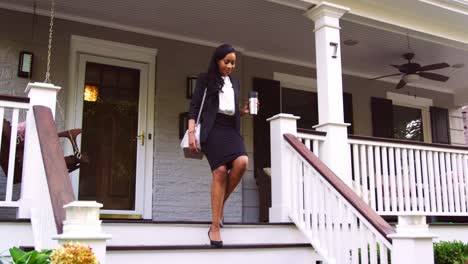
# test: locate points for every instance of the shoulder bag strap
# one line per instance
(201, 107)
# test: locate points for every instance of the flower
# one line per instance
(73, 253)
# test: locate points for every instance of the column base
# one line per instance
(279, 214)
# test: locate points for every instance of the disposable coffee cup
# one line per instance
(253, 100)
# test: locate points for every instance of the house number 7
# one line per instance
(335, 51)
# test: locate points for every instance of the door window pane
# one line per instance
(407, 123)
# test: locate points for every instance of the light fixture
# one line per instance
(350, 42)
(91, 93)
(191, 84)
(410, 78)
(25, 64)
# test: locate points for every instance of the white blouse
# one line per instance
(226, 98)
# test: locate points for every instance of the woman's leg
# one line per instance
(218, 189)
(239, 166)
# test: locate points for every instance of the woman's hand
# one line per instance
(192, 141)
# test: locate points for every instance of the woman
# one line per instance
(220, 131)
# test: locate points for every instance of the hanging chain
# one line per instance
(51, 30)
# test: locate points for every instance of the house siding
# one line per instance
(181, 187)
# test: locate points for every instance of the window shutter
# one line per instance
(348, 111)
(440, 125)
(382, 117)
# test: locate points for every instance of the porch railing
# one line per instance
(340, 226)
(312, 139)
(12, 112)
(397, 178)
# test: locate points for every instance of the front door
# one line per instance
(111, 113)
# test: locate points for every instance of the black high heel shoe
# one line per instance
(215, 243)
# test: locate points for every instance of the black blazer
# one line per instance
(211, 106)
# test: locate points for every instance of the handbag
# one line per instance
(184, 144)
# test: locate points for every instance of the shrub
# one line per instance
(73, 253)
(450, 252)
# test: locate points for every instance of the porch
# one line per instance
(393, 178)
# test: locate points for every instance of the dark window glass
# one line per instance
(407, 123)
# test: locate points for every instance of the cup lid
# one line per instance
(253, 94)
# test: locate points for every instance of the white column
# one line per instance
(82, 225)
(412, 242)
(334, 151)
(280, 176)
(35, 200)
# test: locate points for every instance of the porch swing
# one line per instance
(73, 161)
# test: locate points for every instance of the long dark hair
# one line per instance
(215, 81)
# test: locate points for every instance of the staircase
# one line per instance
(187, 242)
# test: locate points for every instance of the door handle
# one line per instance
(142, 137)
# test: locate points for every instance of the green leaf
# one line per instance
(16, 254)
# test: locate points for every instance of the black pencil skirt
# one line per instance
(224, 144)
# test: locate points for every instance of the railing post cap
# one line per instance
(83, 204)
(40, 85)
(283, 116)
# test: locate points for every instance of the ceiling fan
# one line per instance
(411, 71)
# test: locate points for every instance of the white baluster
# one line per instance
(386, 186)
(383, 254)
(399, 179)
(354, 235)
(443, 179)
(450, 185)
(372, 249)
(357, 176)
(392, 176)
(465, 174)
(11, 160)
(315, 205)
(300, 193)
(365, 192)
(307, 196)
(438, 181)
(428, 191)
(419, 183)
(406, 182)
(363, 242)
(461, 182)
(378, 178)
(307, 144)
(456, 185)
(412, 182)
(370, 163)
(316, 148)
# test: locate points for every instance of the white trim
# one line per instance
(296, 81)
(245, 52)
(459, 6)
(410, 100)
(147, 56)
(416, 102)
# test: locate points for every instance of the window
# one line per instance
(407, 123)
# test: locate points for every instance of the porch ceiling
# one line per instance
(266, 29)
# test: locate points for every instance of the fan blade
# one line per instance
(434, 76)
(401, 84)
(395, 74)
(436, 66)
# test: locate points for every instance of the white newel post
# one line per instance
(412, 242)
(280, 176)
(35, 200)
(335, 150)
(82, 225)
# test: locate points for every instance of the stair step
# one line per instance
(204, 254)
(183, 234)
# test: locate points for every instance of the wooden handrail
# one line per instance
(371, 216)
(311, 131)
(12, 98)
(58, 180)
